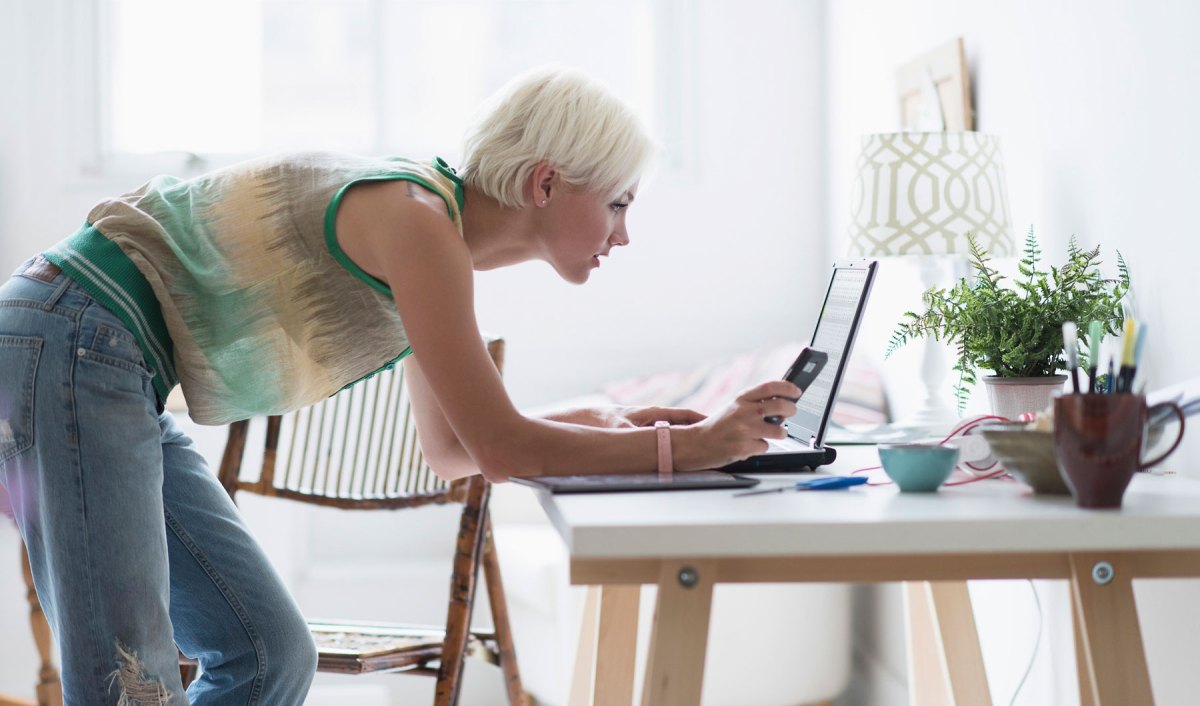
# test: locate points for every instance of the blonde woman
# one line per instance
(268, 286)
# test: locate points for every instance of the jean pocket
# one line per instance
(18, 368)
(117, 347)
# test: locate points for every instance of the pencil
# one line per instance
(1095, 334)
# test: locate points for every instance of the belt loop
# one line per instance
(62, 288)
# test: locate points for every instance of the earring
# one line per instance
(543, 202)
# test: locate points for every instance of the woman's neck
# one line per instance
(497, 236)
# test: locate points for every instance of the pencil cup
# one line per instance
(1098, 441)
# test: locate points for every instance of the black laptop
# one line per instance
(837, 326)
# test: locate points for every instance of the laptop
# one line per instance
(803, 450)
(837, 327)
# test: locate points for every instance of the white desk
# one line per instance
(687, 541)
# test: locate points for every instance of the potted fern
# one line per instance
(1017, 332)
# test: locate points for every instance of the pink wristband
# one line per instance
(665, 467)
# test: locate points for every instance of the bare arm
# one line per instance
(427, 265)
(450, 460)
(443, 451)
(621, 416)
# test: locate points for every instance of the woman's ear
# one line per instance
(543, 182)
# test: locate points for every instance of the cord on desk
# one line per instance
(962, 429)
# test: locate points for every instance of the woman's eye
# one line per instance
(616, 207)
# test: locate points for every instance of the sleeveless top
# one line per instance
(234, 284)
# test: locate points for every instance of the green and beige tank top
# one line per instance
(234, 284)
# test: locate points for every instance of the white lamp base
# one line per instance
(935, 415)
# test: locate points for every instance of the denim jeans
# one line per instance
(135, 546)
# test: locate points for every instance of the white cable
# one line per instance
(1037, 641)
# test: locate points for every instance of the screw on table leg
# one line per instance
(688, 577)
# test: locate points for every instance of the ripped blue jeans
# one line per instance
(135, 546)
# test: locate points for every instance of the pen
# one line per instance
(823, 483)
(1070, 344)
(1095, 333)
(1108, 384)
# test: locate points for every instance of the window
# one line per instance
(206, 79)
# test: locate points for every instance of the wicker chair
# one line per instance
(358, 450)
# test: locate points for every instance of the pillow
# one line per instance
(707, 388)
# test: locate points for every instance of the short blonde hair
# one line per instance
(558, 115)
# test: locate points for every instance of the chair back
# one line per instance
(355, 450)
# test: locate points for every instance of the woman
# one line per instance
(268, 286)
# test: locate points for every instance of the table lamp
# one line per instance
(918, 194)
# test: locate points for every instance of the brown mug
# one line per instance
(1098, 441)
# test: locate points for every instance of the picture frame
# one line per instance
(934, 90)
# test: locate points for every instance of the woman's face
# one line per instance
(583, 226)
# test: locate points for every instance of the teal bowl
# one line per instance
(917, 468)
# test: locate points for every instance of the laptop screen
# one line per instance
(837, 326)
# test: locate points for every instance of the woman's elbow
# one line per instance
(449, 464)
(498, 462)
(453, 464)
(497, 469)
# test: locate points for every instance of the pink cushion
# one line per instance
(707, 388)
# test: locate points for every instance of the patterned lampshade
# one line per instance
(920, 193)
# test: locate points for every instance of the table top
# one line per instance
(1159, 512)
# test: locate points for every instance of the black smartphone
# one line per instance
(807, 367)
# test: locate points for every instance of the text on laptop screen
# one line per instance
(834, 329)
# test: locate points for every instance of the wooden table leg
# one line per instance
(926, 679)
(1102, 589)
(616, 648)
(1086, 697)
(945, 662)
(585, 653)
(675, 665)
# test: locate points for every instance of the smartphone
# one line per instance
(807, 367)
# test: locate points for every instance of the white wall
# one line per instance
(720, 255)
(1095, 104)
(717, 251)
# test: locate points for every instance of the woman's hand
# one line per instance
(620, 417)
(738, 431)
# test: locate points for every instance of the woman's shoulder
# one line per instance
(388, 217)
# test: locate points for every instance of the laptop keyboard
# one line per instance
(788, 444)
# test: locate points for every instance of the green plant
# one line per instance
(1017, 332)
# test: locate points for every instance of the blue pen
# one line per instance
(1109, 382)
(822, 483)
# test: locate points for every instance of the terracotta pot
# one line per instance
(1012, 397)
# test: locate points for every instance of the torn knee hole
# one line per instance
(137, 689)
